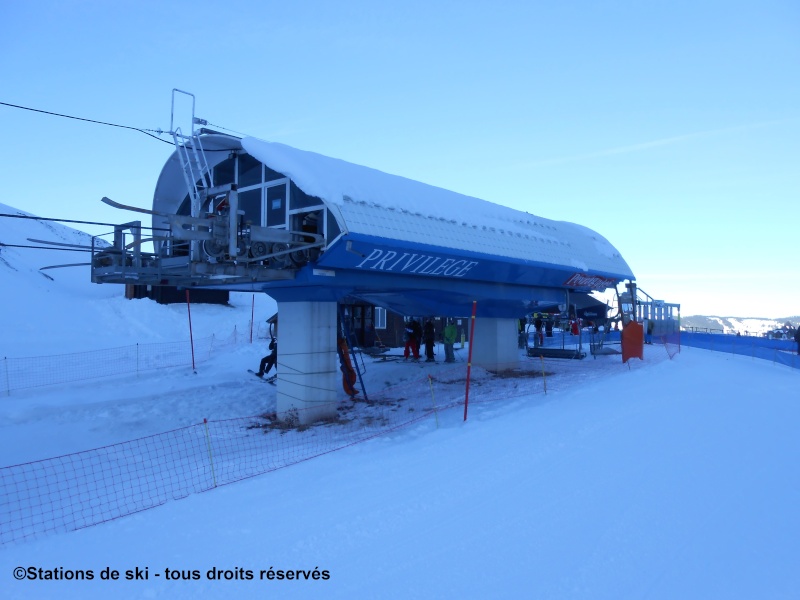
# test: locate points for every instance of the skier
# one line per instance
(797, 339)
(269, 361)
(412, 345)
(417, 334)
(574, 326)
(450, 333)
(538, 324)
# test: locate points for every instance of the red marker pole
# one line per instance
(469, 354)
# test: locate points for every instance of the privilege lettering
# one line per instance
(422, 264)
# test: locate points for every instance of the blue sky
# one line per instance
(671, 128)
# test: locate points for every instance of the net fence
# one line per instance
(38, 371)
(87, 488)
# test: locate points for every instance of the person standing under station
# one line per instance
(412, 346)
(538, 326)
(429, 336)
(450, 333)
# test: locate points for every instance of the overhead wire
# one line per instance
(72, 221)
(139, 129)
(143, 130)
(4, 245)
(231, 130)
(47, 112)
(148, 132)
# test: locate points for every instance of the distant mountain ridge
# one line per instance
(743, 325)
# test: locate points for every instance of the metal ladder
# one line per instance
(196, 173)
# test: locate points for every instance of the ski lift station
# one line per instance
(242, 214)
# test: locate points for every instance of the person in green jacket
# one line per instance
(450, 333)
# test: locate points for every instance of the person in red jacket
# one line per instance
(412, 343)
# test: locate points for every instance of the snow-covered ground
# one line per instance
(747, 326)
(666, 479)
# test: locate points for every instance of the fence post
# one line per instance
(210, 455)
(544, 377)
(8, 380)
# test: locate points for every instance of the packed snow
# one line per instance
(664, 478)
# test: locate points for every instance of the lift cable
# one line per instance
(231, 130)
(72, 221)
(139, 129)
(4, 245)
(46, 112)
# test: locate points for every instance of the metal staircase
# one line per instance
(638, 304)
(212, 245)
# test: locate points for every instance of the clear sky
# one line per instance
(671, 128)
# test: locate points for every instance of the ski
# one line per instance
(65, 245)
(268, 379)
(68, 265)
(146, 211)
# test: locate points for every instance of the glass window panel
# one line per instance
(224, 171)
(380, 318)
(250, 203)
(249, 171)
(270, 175)
(302, 200)
(276, 205)
(333, 227)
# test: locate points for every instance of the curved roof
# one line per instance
(407, 245)
(377, 204)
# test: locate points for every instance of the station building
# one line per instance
(243, 214)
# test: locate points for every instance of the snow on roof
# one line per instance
(372, 202)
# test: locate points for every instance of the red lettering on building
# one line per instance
(579, 280)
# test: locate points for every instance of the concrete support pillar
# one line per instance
(307, 361)
(495, 344)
